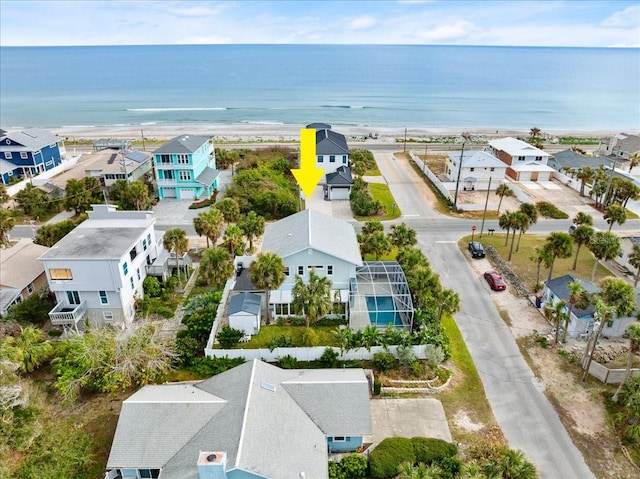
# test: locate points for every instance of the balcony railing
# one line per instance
(65, 313)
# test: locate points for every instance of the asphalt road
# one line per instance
(526, 417)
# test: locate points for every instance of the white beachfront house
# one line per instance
(96, 271)
(332, 150)
(477, 168)
(524, 161)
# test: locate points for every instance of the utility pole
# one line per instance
(465, 137)
(405, 140)
(486, 203)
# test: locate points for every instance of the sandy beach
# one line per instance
(275, 132)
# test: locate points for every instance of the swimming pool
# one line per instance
(382, 311)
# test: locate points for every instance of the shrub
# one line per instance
(417, 369)
(335, 471)
(450, 467)
(549, 210)
(430, 450)
(280, 342)
(329, 358)
(310, 338)
(152, 287)
(205, 367)
(354, 465)
(55, 332)
(288, 362)
(383, 361)
(229, 337)
(388, 455)
(35, 309)
(187, 347)
(377, 387)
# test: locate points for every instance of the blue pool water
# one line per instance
(382, 311)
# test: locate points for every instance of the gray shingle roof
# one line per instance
(560, 287)
(328, 142)
(208, 176)
(269, 431)
(182, 144)
(572, 159)
(244, 302)
(341, 177)
(31, 140)
(477, 159)
(312, 229)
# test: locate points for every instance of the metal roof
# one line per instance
(244, 302)
(28, 140)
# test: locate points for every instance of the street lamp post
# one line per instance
(486, 203)
(455, 198)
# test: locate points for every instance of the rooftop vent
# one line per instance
(267, 386)
(212, 458)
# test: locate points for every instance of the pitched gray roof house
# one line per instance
(244, 302)
(182, 144)
(572, 159)
(264, 420)
(328, 142)
(340, 177)
(560, 288)
(312, 229)
(31, 140)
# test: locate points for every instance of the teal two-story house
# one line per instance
(186, 168)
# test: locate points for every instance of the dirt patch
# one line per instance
(462, 420)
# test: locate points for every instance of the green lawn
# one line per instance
(372, 172)
(526, 269)
(324, 336)
(381, 191)
(391, 256)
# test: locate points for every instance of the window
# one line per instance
(492, 169)
(107, 315)
(144, 244)
(472, 169)
(52, 145)
(538, 158)
(103, 297)
(129, 473)
(330, 269)
(339, 439)
(133, 253)
(521, 158)
(60, 273)
(332, 158)
(168, 174)
(30, 288)
(73, 297)
(133, 286)
(125, 268)
(7, 155)
(149, 240)
(300, 270)
(344, 159)
(36, 152)
(282, 308)
(286, 271)
(138, 273)
(49, 163)
(315, 267)
(183, 159)
(165, 159)
(320, 158)
(185, 175)
(24, 155)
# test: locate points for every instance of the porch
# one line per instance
(65, 314)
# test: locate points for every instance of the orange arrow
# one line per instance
(307, 175)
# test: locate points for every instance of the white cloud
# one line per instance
(629, 17)
(362, 22)
(459, 29)
(195, 12)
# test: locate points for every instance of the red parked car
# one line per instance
(495, 281)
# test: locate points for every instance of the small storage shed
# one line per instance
(244, 312)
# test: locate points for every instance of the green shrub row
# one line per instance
(386, 458)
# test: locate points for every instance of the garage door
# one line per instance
(525, 176)
(168, 192)
(339, 193)
(187, 193)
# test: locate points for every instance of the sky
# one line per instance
(579, 23)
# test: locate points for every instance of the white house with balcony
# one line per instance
(524, 161)
(332, 150)
(96, 271)
(475, 168)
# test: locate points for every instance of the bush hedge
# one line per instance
(429, 450)
(388, 455)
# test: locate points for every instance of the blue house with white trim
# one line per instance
(186, 168)
(28, 153)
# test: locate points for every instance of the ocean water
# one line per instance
(372, 85)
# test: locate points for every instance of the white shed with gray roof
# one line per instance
(244, 312)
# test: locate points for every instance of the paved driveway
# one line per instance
(408, 418)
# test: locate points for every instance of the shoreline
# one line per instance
(243, 132)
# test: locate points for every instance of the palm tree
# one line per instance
(634, 346)
(585, 174)
(267, 273)
(253, 225)
(209, 224)
(233, 237)
(617, 299)
(634, 160)
(401, 235)
(137, 194)
(7, 222)
(216, 266)
(535, 132)
(582, 235)
(502, 191)
(531, 211)
(615, 214)
(559, 246)
(578, 298)
(423, 283)
(371, 336)
(29, 350)
(542, 256)
(557, 315)
(583, 218)
(344, 336)
(605, 246)
(634, 260)
(376, 244)
(312, 299)
(410, 258)
(521, 223)
(448, 302)
(229, 208)
(506, 223)
(510, 464)
(175, 240)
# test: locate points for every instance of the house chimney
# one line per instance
(212, 465)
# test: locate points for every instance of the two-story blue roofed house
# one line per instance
(332, 150)
(27, 153)
(186, 168)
